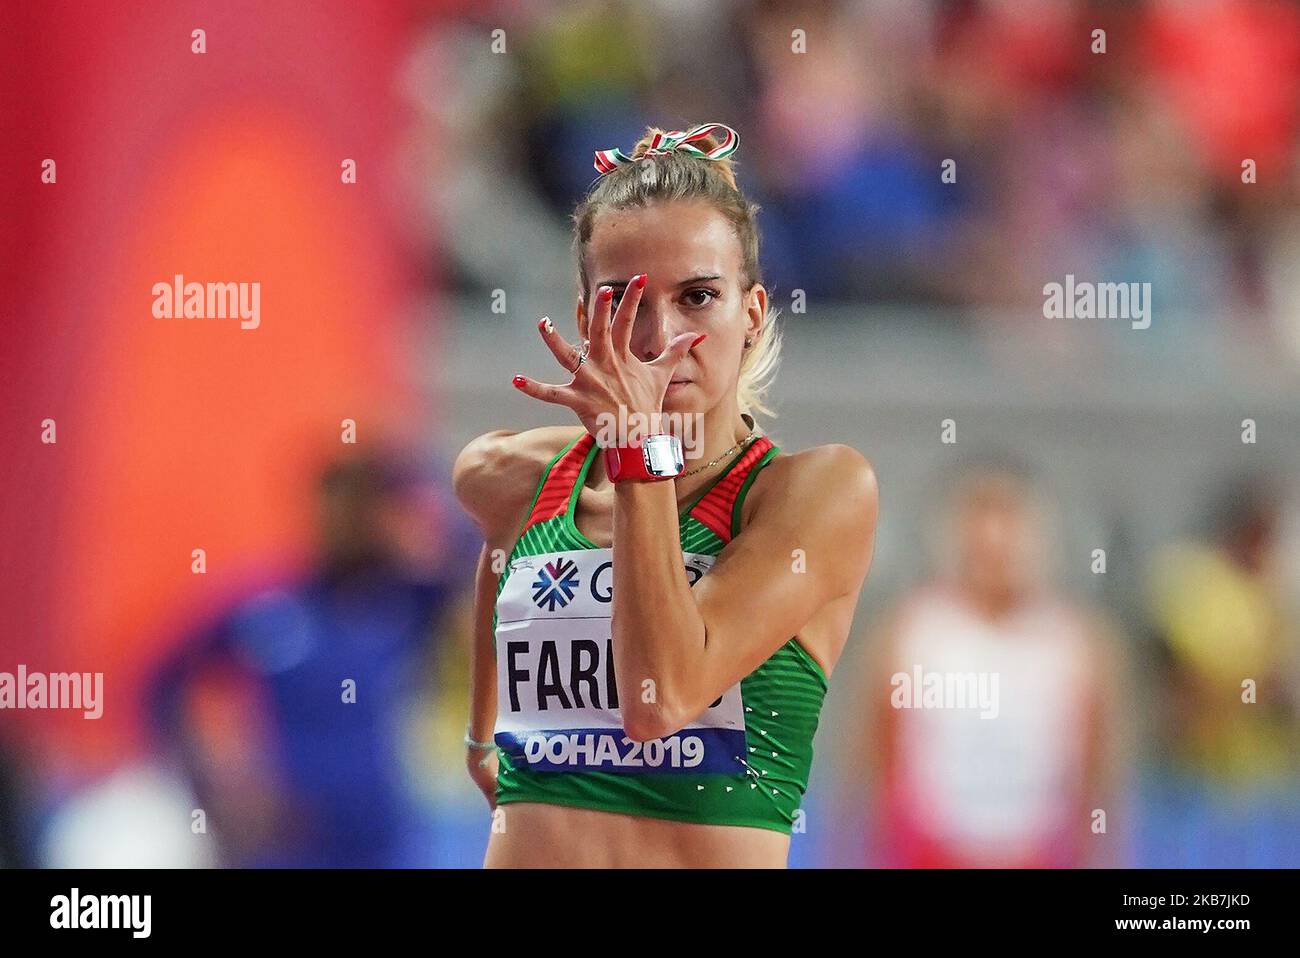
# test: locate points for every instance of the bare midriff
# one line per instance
(535, 835)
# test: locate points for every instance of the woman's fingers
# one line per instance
(598, 323)
(546, 392)
(625, 317)
(564, 351)
(676, 350)
(611, 330)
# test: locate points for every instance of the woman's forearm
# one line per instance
(657, 628)
(483, 666)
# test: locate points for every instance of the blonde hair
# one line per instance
(681, 176)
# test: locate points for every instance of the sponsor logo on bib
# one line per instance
(555, 584)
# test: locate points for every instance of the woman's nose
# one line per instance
(651, 333)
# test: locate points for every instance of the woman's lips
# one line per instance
(678, 383)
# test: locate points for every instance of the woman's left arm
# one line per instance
(678, 648)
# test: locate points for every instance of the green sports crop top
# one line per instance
(559, 733)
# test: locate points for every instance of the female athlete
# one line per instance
(655, 628)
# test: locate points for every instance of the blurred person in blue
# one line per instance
(287, 711)
(14, 808)
(995, 698)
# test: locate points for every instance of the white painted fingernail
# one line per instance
(550, 326)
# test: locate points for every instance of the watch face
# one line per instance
(663, 455)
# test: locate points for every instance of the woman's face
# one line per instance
(691, 258)
(999, 537)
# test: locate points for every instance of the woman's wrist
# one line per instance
(477, 745)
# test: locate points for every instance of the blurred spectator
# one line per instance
(14, 826)
(1218, 605)
(1121, 164)
(287, 709)
(1016, 780)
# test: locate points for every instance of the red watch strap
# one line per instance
(625, 462)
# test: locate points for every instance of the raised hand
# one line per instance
(609, 380)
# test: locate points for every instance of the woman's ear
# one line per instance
(755, 311)
(581, 315)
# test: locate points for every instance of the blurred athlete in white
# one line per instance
(1013, 778)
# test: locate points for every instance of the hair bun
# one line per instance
(708, 143)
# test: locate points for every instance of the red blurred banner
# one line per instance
(222, 166)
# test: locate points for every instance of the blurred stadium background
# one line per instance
(406, 300)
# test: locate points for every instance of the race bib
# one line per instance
(557, 700)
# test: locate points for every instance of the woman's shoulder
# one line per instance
(824, 498)
(496, 474)
(821, 470)
(834, 480)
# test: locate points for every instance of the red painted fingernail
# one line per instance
(698, 339)
(606, 292)
(640, 281)
(519, 380)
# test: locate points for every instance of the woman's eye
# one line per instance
(708, 294)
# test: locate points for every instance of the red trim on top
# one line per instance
(558, 484)
(714, 510)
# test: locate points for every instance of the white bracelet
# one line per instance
(474, 743)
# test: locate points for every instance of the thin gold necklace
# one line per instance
(713, 462)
